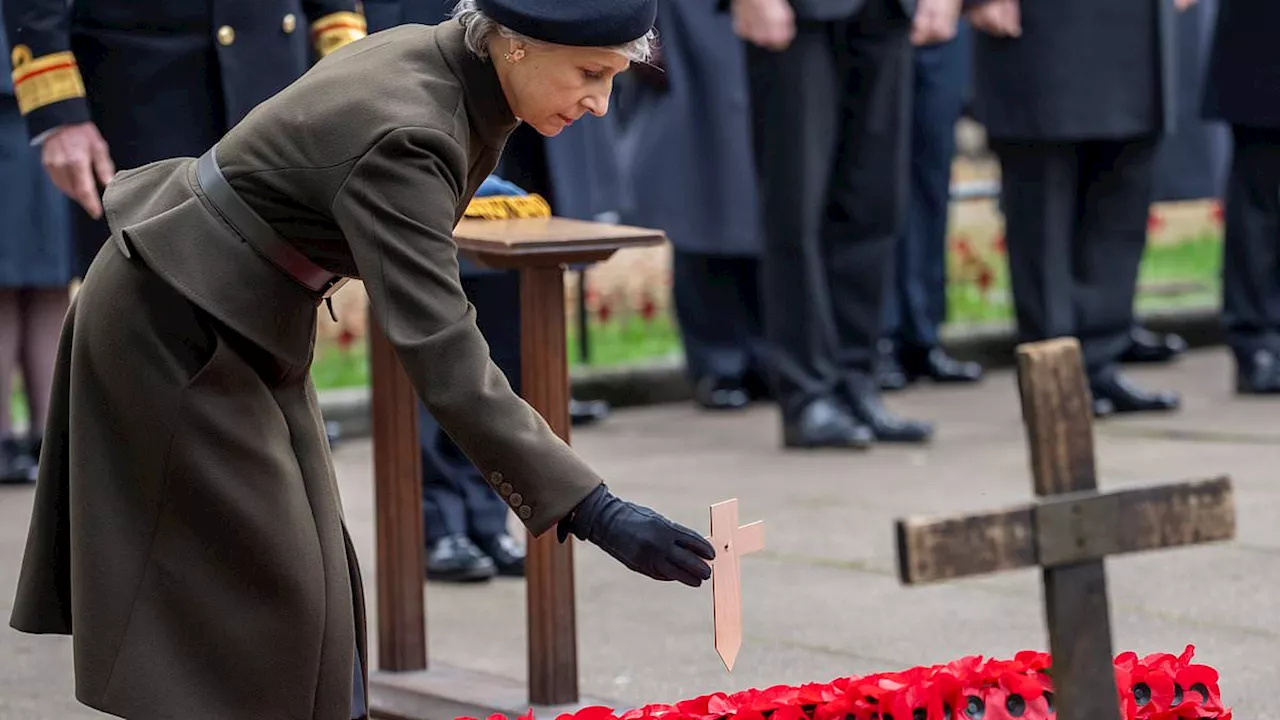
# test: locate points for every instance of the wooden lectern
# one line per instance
(403, 688)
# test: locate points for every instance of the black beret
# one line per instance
(591, 23)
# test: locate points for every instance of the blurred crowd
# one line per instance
(798, 154)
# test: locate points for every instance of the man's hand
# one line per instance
(771, 24)
(935, 21)
(75, 156)
(1183, 4)
(641, 539)
(1002, 18)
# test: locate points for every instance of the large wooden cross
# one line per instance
(539, 248)
(1069, 531)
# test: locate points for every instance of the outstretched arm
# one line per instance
(397, 209)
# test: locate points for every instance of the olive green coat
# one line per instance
(187, 529)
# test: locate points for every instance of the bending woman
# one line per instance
(187, 529)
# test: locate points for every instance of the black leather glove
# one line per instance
(640, 538)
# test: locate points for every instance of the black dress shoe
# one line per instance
(889, 373)
(824, 424)
(1148, 347)
(717, 393)
(864, 404)
(456, 559)
(935, 364)
(586, 412)
(1114, 393)
(19, 459)
(1258, 373)
(507, 554)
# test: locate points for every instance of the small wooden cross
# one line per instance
(731, 542)
(1069, 531)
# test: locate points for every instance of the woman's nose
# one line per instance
(597, 105)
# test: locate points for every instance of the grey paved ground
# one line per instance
(822, 601)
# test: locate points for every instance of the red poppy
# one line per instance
(1154, 222)
(346, 339)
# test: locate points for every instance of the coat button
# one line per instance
(506, 489)
(515, 499)
(289, 24)
(226, 35)
(525, 512)
(495, 478)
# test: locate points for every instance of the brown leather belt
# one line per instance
(258, 232)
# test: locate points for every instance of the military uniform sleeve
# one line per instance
(334, 23)
(397, 209)
(46, 78)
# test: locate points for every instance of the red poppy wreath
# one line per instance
(1161, 686)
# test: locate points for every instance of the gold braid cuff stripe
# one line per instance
(506, 207)
(337, 29)
(45, 80)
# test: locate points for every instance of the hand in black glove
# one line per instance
(640, 538)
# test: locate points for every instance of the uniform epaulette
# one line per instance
(506, 207)
(334, 30)
(44, 80)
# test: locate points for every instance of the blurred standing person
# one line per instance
(686, 153)
(115, 84)
(916, 307)
(1075, 97)
(1191, 162)
(829, 86)
(35, 274)
(1243, 90)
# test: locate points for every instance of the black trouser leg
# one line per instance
(1116, 181)
(718, 312)
(868, 193)
(1251, 246)
(1039, 181)
(795, 106)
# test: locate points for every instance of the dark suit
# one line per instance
(1243, 89)
(161, 78)
(830, 132)
(1074, 109)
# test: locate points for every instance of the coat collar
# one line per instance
(487, 107)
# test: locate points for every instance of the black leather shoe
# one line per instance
(19, 460)
(1258, 373)
(938, 366)
(1148, 347)
(717, 393)
(586, 412)
(455, 559)
(889, 373)
(865, 405)
(507, 554)
(1114, 393)
(824, 424)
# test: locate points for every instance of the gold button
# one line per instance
(505, 489)
(226, 35)
(515, 499)
(525, 512)
(495, 478)
(290, 23)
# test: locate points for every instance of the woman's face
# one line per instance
(551, 86)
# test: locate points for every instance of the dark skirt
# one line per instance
(35, 225)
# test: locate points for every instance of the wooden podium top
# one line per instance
(526, 242)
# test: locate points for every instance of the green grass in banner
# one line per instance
(1176, 275)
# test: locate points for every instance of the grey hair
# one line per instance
(480, 26)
